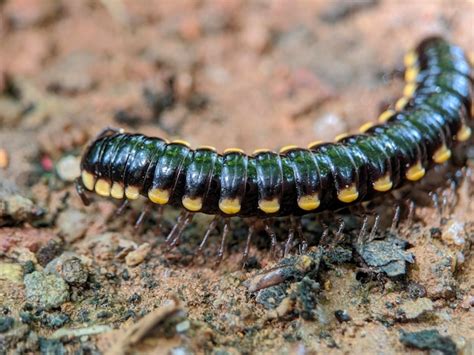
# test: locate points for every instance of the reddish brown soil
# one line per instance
(248, 74)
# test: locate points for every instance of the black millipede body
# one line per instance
(432, 116)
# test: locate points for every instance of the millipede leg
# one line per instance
(245, 254)
(411, 212)
(289, 242)
(296, 222)
(444, 204)
(363, 230)
(435, 199)
(395, 219)
(122, 207)
(142, 216)
(220, 252)
(209, 230)
(453, 186)
(324, 236)
(374, 228)
(185, 223)
(183, 220)
(340, 232)
(82, 192)
(271, 233)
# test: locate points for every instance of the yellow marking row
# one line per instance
(464, 133)
(383, 184)
(309, 202)
(348, 194)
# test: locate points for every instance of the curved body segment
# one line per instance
(431, 117)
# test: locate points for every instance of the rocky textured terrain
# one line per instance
(225, 73)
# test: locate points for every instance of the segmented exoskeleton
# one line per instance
(432, 116)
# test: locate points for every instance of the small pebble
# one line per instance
(68, 267)
(429, 340)
(137, 256)
(342, 315)
(48, 252)
(47, 291)
(4, 159)
(183, 326)
(68, 168)
(56, 320)
(6, 323)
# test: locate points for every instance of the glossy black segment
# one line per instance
(269, 175)
(374, 155)
(168, 167)
(199, 173)
(305, 172)
(233, 177)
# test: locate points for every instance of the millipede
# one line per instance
(419, 131)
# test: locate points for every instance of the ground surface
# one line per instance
(224, 73)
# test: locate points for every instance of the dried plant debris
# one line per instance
(162, 322)
(292, 268)
(429, 340)
(290, 287)
(388, 255)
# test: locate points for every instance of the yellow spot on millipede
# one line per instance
(464, 133)
(261, 150)
(410, 59)
(365, 127)
(192, 204)
(385, 116)
(229, 206)
(411, 74)
(314, 144)
(207, 147)
(383, 184)
(409, 90)
(159, 196)
(341, 136)
(180, 141)
(348, 194)
(117, 190)
(442, 155)
(234, 150)
(102, 187)
(415, 172)
(88, 180)
(287, 148)
(132, 192)
(269, 206)
(309, 202)
(401, 103)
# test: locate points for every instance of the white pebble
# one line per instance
(68, 168)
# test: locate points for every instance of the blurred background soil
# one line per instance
(224, 73)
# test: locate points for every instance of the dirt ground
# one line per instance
(226, 73)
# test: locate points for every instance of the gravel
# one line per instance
(46, 290)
